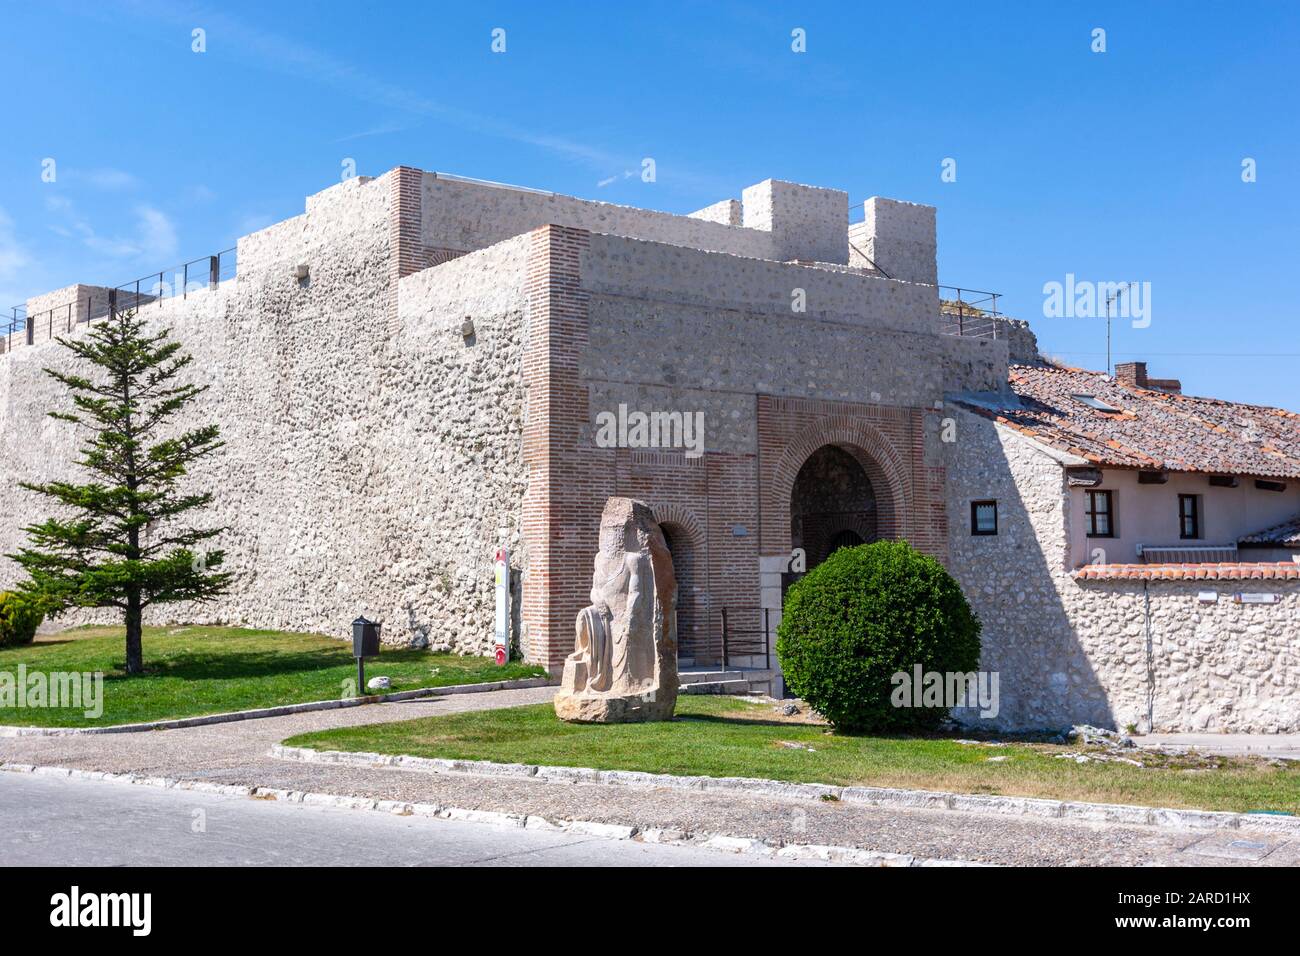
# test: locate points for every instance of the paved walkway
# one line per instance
(237, 753)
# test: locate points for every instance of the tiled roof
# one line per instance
(1150, 429)
(1241, 571)
(1286, 534)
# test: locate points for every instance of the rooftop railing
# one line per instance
(175, 281)
(968, 312)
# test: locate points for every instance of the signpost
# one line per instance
(502, 630)
(365, 643)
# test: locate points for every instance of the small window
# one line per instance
(1092, 401)
(1101, 514)
(983, 517)
(1189, 516)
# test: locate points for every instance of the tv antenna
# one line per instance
(1114, 296)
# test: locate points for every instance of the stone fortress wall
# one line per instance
(396, 444)
(291, 368)
(429, 393)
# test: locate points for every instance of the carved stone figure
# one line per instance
(625, 666)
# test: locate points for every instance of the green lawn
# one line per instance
(725, 737)
(208, 670)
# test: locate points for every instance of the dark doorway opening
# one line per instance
(692, 635)
(832, 504)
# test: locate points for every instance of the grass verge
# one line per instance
(725, 737)
(197, 670)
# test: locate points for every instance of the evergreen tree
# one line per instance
(124, 543)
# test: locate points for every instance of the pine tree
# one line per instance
(123, 543)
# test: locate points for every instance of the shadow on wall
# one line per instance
(1047, 678)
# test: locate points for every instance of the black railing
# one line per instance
(968, 312)
(748, 642)
(15, 322)
(176, 281)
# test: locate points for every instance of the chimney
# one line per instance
(1134, 374)
(1131, 373)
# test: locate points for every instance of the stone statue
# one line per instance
(625, 665)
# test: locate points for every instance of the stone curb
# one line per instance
(871, 796)
(847, 855)
(522, 683)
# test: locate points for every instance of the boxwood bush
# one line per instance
(863, 615)
(20, 616)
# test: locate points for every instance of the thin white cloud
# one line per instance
(153, 239)
(627, 174)
(157, 234)
(377, 131)
(273, 51)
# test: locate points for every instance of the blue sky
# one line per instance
(1114, 166)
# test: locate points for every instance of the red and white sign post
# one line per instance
(502, 637)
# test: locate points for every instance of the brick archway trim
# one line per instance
(683, 518)
(883, 464)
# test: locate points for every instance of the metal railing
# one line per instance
(175, 281)
(16, 322)
(747, 641)
(968, 312)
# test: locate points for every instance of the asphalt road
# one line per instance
(62, 822)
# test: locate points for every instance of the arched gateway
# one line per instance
(832, 504)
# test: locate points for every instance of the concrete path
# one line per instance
(238, 754)
(61, 822)
(1230, 745)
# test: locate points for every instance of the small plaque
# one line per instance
(1208, 597)
(1256, 597)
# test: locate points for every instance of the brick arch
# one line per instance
(681, 517)
(693, 639)
(873, 451)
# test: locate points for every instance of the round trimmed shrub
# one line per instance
(860, 617)
(20, 616)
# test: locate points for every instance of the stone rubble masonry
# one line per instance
(58, 313)
(806, 222)
(728, 212)
(293, 368)
(451, 413)
(781, 220)
(898, 238)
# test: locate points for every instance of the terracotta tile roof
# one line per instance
(1286, 534)
(1150, 429)
(1240, 571)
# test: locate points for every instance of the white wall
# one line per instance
(1148, 514)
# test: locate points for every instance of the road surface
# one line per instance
(52, 821)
